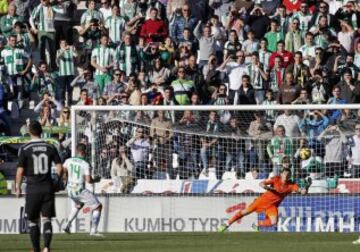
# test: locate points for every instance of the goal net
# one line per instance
(221, 153)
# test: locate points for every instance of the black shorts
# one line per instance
(36, 203)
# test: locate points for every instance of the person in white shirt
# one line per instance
(308, 49)
(105, 9)
(140, 150)
(235, 71)
(354, 153)
(291, 123)
(346, 36)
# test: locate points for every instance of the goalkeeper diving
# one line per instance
(77, 170)
(277, 189)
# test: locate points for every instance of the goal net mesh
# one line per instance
(215, 150)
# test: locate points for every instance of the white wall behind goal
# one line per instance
(142, 214)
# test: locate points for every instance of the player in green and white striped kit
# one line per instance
(115, 25)
(78, 172)
(103, 60)
(65, 60)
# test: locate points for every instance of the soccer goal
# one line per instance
(196, 165)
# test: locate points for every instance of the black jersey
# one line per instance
(36, 157)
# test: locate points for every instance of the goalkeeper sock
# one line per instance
(95, 220)
(265, 223)
(236, 217)
(47, 233)
(35, 236)
(72, 216)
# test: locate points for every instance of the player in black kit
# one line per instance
(35, 161)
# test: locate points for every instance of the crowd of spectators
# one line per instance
(189, 52)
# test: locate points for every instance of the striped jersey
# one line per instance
(15, 59)
(65, 62)
(264, 57)
(23, 41)
(304, 20)
(116, 27)
(90, 14)
(104, 56)
(43, 17)
(77, 169)
(7, 23)
(279, 147)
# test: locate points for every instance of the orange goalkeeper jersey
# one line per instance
(282, 190)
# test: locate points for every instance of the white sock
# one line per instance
(72, 216)
(95, 220)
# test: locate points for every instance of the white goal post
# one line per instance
(223, 166)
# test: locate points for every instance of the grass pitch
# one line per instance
(192, 242)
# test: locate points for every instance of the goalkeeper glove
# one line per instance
(305, 183)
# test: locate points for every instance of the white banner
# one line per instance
(141, 214)
(146, 186)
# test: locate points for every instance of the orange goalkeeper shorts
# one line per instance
(261, 206)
